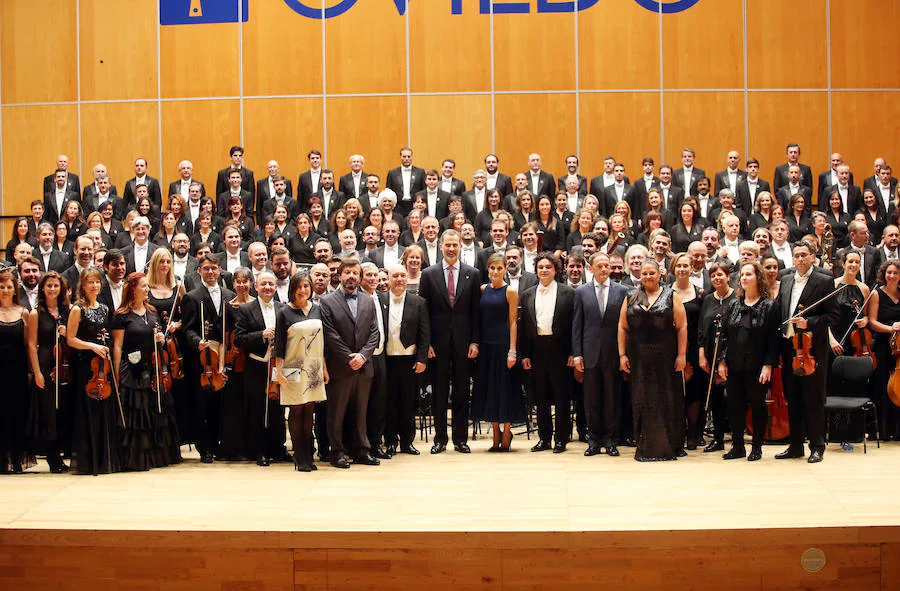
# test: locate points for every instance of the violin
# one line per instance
(99, 386)
(273, 388)
(804, 363)
(893, 387)
(861, 339)
(176, 362)
(210, 378)
(160, 378)
(234, 357)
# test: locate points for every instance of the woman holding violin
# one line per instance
(233, 445)
(850, 303)
(50, 414)
(96, 442)
(884, 320)
(694, 384)
(748, 351)
(150, 439)
(712, 312)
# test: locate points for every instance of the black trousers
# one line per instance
(350, 394)
(744, 389)
(576, 391)
(207, 416)
(719, 410)
(263, 435)
(321, 421)
(402, 399)
(806, 401)
(449, 368)
(602, 398)
(548, 370)
(376, 412)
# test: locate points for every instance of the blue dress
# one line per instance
(497, 396)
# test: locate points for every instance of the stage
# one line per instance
(514, 521)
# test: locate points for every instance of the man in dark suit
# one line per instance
(449, 183)
(516, 276)
(699, 273)
(405, 181)
(642, 185)
(452, 291)
(806, 394)
(137, 254)
(545, 348)
(183, 185)
(353, 184)
(782, 177)
(233, 256)
(595, 352)
(235, 189)
(371, 197)
(885, 188)
(687, 176)
(114, 279)
(618, 191)
(84, 256)
(436, 200)
(223, 182)
(204, 304)
(309, 180)
(851, 196)
(390, 232)
(279, 197)
(142, 178)
(254, 333)
(475, 199)
(725, 201)
(784, 194)
(672, 195)
(349, 321)
(749, 187)
(49, 259)
(98, 171)
(265, 187)
(92, 202)
(832, 176)
(495, 178)
(572, 170)
(539, 182)
(731, 176)
(408, 331)
(58, 196)
(871, 256)
(29, 270)
(72, 183)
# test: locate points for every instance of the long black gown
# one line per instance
(657, 393)
(13, 395)
(888, 414)
(232, 444)
(181, 392)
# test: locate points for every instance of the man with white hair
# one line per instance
(572, 171)
(475, 198)
(731, 236)
(539, 181)
(183, 184)
(347, 239)
(831, 177)
(138, 253)
(353, 183)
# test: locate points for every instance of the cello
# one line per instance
(778, 426)
(893, 386)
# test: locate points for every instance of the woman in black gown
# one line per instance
(850, 301)
(50, 412)
(695, 380)
(96, 442)
(653, 344)
(884, 319)
(232, 429)
(13, 364)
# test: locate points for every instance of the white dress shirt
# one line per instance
(140, 256)
(395, 323)
(432, 202)
(492, 181)
(379, 319)
(232, 261)
(529, 260)
(391, 255)
(446, 184)
(406, 176)
(215, 292)
(281, 288)
(115, 289)
(796, 292)
(467, 254)
(535, 183)
(544, 307)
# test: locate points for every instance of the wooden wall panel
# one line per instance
(32, 139)
(372, 126)
(865, 44)
(703, 46)
(623, 125)
(284, 130)
(778, 34)
(118, 62)
(457, 127)
(890, 566)
(365, 49)
(199, 60)
(778, 118)
(866, 125)
(38, 44)
(118, 133)
(281, 60)
(534, 52)
(619, 52)
(529, 123)
(711, 123)
(202, 132)
(449, 53)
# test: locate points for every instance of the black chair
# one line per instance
(851, 378)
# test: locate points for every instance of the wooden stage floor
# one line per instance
(519, 520)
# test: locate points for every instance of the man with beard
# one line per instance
(114, 267)
(48, 257)
(281, 266)
(29, 276)
(495, 178)
(183, 264)
(516, 276)
(322, 250)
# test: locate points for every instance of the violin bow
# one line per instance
(156, 368)
(858, 316)
(56, 355)
(174, 303)
(712, 369)
(115, 382)
(800, 313)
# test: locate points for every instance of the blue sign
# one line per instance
(197, 12)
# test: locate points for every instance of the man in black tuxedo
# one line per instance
(98, 171)
(186, 178)
(872, 181)
(233, 256)
(806, 394)
(618, 191)
(832, 176)
(405, 181)
(49, 259)
(449, 183)
(265, 187)
(851, 196)
(885, 188)
(376, 410)
(749, 187)
(351, 331)
(870, 255)
(572, 170)
(331, 198)
(545, 348)
(254, 333)
(687, 176)
(142, 178)
(309, 179)
(539, 181)
(353, 184)
(641, 186)
(672, 195)
(72, 183)
(114, 279)
(595, 352)
(235, 189)
(84, 256)
(29, 271)
(475, 199)
(794, 185)
(388, 254)
(495, 178)
(58, 196)
(731, 176)
(183, 264)
(137, 254)
(279, 197)
(408, 331)
(782, 178)
(371, 198)
(516, 276)
(452, 291)
(436, 200)
(699, 273)
(92, 202)
(223, 182)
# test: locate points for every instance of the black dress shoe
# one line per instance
(612, 450)
(582, 438)
(592, 450)
(340, 462)
(409, 449)
(815, 457)
(735, 453)
(379, 452)
(391, 450)
(541, 446)
(680, 453)
(438, 448)
(462, 448)
(367, 459)
(206, 458)
(559, 448)
(261, 460)
(755, 454)
(790, 453)
(714, 445)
